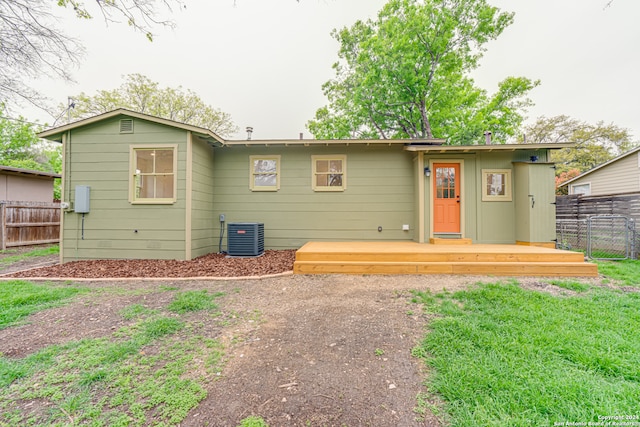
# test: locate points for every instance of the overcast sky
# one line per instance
(264, 61)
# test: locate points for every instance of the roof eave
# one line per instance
(320, 142)
(20, 171)
(491, 147)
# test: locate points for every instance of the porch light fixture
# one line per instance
(427, 171)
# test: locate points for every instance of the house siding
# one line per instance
(621, 176)
(491, 222)
(203, 219)
(379, 193)
(98, 156)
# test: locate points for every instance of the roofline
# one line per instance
(307, 142)
(21, 171)
(49, 133)
(491, 147)
(583, 174)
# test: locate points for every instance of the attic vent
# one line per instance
(126, 126)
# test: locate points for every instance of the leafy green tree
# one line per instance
(139, 93)
(406, 75)
(21, 148)
(595, 143)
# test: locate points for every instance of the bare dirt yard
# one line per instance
(300, 351)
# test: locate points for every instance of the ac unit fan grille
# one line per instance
(245, 238)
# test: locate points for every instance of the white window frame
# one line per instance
(314, 173)
(488, 197)
(583, 184)
(134, 174)
(253, 174)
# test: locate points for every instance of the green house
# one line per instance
(137, 186)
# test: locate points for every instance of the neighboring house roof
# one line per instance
(56, 133)
(19, 171)
(582, 175)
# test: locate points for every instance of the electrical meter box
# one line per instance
(81, 204)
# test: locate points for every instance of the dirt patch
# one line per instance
(301, 350)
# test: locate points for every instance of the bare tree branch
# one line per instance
(32, 44)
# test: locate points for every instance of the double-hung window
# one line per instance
(265, 173)
(329, 173)
(153, 174)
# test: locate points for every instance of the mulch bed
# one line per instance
(212, 265)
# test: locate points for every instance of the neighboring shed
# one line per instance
(158, 188)
(28, 215)
(26, 185)
(617, 176)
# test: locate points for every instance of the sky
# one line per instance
(264, 61)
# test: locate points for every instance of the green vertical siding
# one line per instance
(98, 156)
(535, 221)
(380, 193)
(203, 219)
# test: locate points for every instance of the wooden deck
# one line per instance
(416, 258)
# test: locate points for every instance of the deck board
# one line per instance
(415, 258)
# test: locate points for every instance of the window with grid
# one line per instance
(329, 173)
(154, 175)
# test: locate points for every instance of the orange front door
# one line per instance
(446, 198)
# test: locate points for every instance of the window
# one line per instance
(329, 173)
(584, 189)
(265, 173)
(153, 174)
(496, 185)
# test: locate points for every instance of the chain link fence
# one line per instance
(605, 237)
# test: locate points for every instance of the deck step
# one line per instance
(441, 256)
(550, 269)
(452, 241)
(414, 258)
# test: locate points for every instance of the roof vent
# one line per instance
(126, 126)
(487, 137)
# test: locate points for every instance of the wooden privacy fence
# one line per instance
(583, 221)
(28, 223)
(576, 206)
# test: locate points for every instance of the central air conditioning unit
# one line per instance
(245, 239)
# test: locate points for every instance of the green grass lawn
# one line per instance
(626, 272)
(500, 355)
(51, 250)
(19, 299)
(151, 372)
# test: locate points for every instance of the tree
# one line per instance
(563, 177)
(139, 93)
(406, 75)
(595, 143)
(32, 45)
(21, 148)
